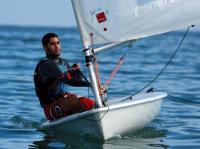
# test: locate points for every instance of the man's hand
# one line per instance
(76, 67)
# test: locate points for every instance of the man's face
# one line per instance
(53, 48)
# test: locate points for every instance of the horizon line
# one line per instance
(35, 25)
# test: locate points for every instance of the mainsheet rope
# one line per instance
(170, 60)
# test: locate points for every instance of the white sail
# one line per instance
(108, 21)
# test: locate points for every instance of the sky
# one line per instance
(37, 13)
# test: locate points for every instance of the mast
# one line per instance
(89, 57)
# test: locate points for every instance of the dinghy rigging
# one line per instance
(165, 66)
(112, 23)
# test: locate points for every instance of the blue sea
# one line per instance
(176, 127)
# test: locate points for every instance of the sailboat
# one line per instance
(104, 24)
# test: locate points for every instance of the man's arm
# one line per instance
(74, 78)
(50, 70)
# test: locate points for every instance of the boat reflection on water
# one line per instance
(147, 137)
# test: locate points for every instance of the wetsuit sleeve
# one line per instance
(70, 79)
(50, 70)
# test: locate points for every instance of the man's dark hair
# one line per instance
(46, 37)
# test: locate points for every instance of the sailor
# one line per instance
(51, 76)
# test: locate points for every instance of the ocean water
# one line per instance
(177, 125)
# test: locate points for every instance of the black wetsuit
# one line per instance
(50, 75)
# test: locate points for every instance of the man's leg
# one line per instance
(87, 103)
(64, 106)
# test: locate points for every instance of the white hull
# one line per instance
(117, 118)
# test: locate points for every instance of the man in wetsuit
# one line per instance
(52, 73)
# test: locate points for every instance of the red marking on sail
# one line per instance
(101, 17)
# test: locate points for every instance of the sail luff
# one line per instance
(89, 55)
(80, 24)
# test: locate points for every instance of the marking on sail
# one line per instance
(101, 17)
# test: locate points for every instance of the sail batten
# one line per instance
(110, 21)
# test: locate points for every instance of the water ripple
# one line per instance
(177, 126)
